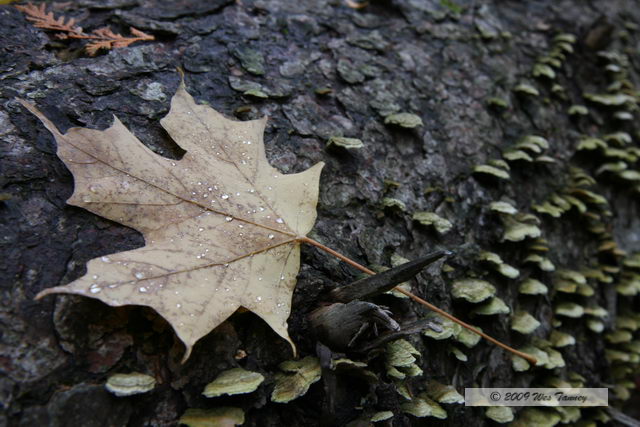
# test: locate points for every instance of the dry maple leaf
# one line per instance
(222, 228)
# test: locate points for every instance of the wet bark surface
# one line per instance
(319, 70)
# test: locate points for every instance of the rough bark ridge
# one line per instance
(320, 70)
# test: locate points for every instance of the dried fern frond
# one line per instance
(102, 38)
(41, 19)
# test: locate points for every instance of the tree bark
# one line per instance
(319, 70)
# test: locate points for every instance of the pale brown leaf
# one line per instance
(221, 226)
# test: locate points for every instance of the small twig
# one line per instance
(427, 304)
(385, 281)
(102, 38)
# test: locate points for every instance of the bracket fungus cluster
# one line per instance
(576, 287)
(400, 358)
(441, 225)
(296, 378)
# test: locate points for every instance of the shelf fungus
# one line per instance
(561, 339)
(619, 336)
(503, 208)
(524, 322)
(346, 143)
(545, 159)
(580, 178)
(578, 110)
(543, 263)
(620, 138)
(570, 281)
(539, 245)
(396, 261)
(559, 48)
(629, 286)
(498, 264)
(400, 358)
(632, 347)
(499, 163)
(585, 290)
(619, 153)
(130, 384)
(595, 325)
(497, 102)
(467, 338)
(613, 167)
(622, 392)
(458, 354)
(472, 290)
(556, 382)
(381, 416)
(447, 329)
(534, 143)
(256, 93)
(549, 209)
(391, 203)
(516, 230)
(588, 196)
(494, 306)
(441, 225)
(554, 357)
(550, 60)
(494, 171)
(442, 393)
(565, 38)
(298, 377)
(596, 311)
(543, 70)
(569, 414)
(223, 416)
(526, 89)
(499, 414)
(629, 322)
(512, 155)
(609, 100)
(520, 365)
(233, 381)
(405, 120)
(630, 175)
(557, 89)
(569, 309)
(423, 406)
(632, 261)
(617, 355)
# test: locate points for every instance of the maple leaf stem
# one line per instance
(419, 300)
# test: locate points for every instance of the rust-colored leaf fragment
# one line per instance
(45, 20)
(222, 227)
(102, 38)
